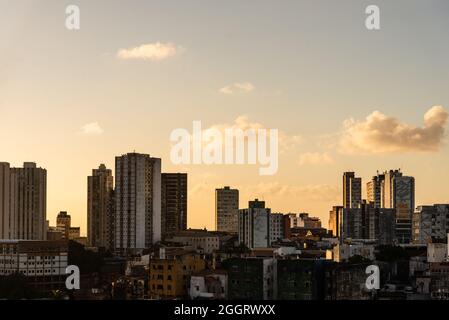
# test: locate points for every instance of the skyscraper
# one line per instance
(63, 224)
(174, 203)
(374, 190)
(399, 193)
(226, 209)
(352, 190)
(137, 202)
(100, 208)
(23, 202)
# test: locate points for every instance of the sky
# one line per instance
(344, 98)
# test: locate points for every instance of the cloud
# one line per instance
(152, 51)
(286, 141)
(379, 133)
(237, 87)
(315, 158)
(91, 129)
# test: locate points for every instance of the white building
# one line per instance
(254, 225)
(208, 284)
(137, 202)
(33, 258)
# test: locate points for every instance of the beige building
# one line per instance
(227, 210)
(23, 202)
(100, 208)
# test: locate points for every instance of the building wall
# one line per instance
(173, 203)
(226, 209)
(254, 225)
(430, 222)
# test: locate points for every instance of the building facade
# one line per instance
(254, 225)
(226, 209)
(100, 208)
(137, 202)
(352, 190)
(430, 222)
(174, 203)
(23, 202)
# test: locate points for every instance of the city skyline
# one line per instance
(342, 97)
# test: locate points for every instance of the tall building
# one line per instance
(352, 190)
(137, 202)
(174, 203)
(23, 202)
(226, 210)
(254, 225)
(399, 193)
(374, 190)
(63, 224)
(100, 208)
(430, 223)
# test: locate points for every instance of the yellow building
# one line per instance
(170, 273)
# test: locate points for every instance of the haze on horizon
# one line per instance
(342, 97)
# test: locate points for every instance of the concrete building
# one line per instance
(343, 251)
(296, 279)
(174, 203)
(201, 240)
(254, 225)
(437, 252)
(277, 227)
(399, 194)
(352, 190)
(209, 284)
(23, 202)
(226, 209)
(430, 222)
(43, 262)
(374, 190)
(169, 275)
(100, 208)
(303, 220)
(137, 202)
(63, 224)
(251, 278)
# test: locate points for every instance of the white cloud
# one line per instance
(91, 129)
(379, 133)
(238, 87)
(151, 51)
(315, 158)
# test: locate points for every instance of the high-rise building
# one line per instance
(174, 203)
(352, 190)
(100, 208)
(254, 225)
(226, 209)
(431, 223)
(374, 190)
(23, 202)
(399, 193)
(137, 202)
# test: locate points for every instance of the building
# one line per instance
(430, 222)
(23, 202)
(209, 284)
(201, 240)
(352, 190)
(137, 202)
(277, 227)
(63, 224)
(374, 190)
(254, 225)
(365, 222)
(226, 209)
(303, 220)
(295, 279)
(43, 263)
(100, 208)
(169, 274)
(74, 233)
(251, 278)
(439, 281)
(437, 252)
(399, 193)
(343, 251)
(174, 203)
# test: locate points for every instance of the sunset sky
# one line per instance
(342, 97)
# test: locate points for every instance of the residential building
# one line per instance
(374, 190)
(202, 241)
(430, 222)
(295, 279)
(100, 208)
(226, 209)
(254, 225)
(209, 284)
(63, 224)
(169, 275)
(352, 190)
(174, 203)
(137, 202)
